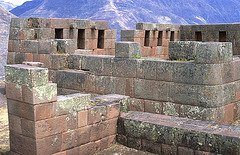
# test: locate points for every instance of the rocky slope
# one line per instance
(5, 18)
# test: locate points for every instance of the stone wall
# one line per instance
(41, 39)
(212, 33)
(177, 136)
(206, 88)
(153, 38)
(42, 123)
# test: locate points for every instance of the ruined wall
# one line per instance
(170, 135)
(41, 39)
(213, 33)
(154, 38)
(42, 123)
(206, 88)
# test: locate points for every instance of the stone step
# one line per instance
(158, 134)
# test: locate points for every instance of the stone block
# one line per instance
(201, 74)
(26, 34)
(73, 102)
(169, 149)
(28, 145)
(165, 71)
(110, 34)
(153, 107)
(89, 148)
(147, 69)
(66, 46)
(19, 57)
(44, 111)
(144, 26)
(171, 109)
(35, 22)
(126, 68)
(109, 43)
(214, 53)
(184, 151)
(152, 147)
(182, 49)
(28, 46)
(60, 23)
(15, 124)
(151, 90)
(127, 49)
(97, 114)
(30, 76)
(13, 46)
(14, 91)
(59, 61)
(134, 143)
(40, 94)
(82, 118)
(105, 85)
(136, 104)
(100, 25)
(14, 34)
(11, 58)
(43, 144)
(132, 34)
(42, 33)
(75, 61)
(81, 24)
(47, 47)
(52, 126)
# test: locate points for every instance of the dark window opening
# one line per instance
(100, 43)
(198, 36)
(81, 39)
(71, 34)
(160, 35)
(147, 38)
(222, 36)
(172, 36)
(58, 33)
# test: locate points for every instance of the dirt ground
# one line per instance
(116, 149)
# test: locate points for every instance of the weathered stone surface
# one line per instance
(75, 61)
(196, 135)
(126, 68)
(151, 90)
(199, 74)
(147, 69)
(73, 102)
(127, 49)
(59, 61)
(182, 49)
(28, 46)
(214, 53)
(47, 47)
(40, 94)
(81, 24)
(66, 46)
(30, 76)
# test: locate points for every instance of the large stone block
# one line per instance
(127, 49)
(59, 61)
(144, 26)
(201, 74)
(151, 90)
(165, 71)
(132, 34)
(28, 46)
(100, 25)
(147, 69)
(30, 76)
(47, 47)
(40, 94)
(66, 46)
(73, 102)
(182, 49)
(75, 61)
(125, 67)
(196, 135)
(214, 53)
(42, 33)
(110, 34)
(81, 24)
